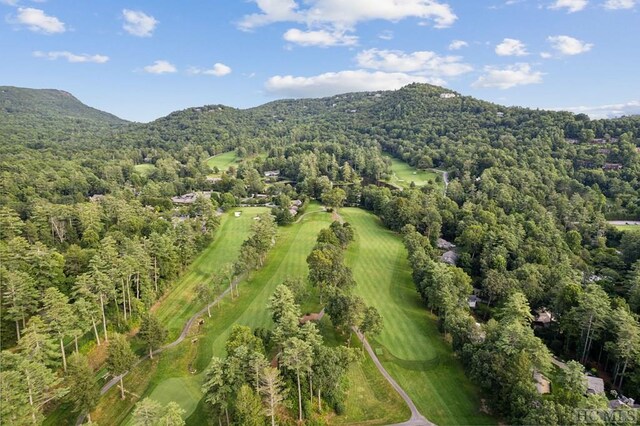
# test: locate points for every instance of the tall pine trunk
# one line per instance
(64, 356)
(104, 319)
(299, 398)
(95, 331)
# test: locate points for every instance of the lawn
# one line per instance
(628, 228)
(223, 161)
(403, 174)
(413, 351)
(144, 169)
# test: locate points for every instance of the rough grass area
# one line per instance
(413, 351)
(403, 174)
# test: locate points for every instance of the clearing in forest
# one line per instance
(402, 174)
(223, 161)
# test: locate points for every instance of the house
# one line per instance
(447, 95)
(543, 385)
(595, 385)
(296, 203)
(571, 141)
(473, 301)
(598, 141)
(623, 402)
(612, 166)
(190, 197)
(543, 318)
(97, 197)
(450, 257)
(272, 173)
(604, 151)
(214, 179)
(444, 244)
(500, 114)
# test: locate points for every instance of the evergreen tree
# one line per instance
(120, 358)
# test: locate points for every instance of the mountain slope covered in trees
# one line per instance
(84, 229)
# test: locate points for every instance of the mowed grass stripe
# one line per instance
(414, 352)
(223, 161)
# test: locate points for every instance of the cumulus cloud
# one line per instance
(218, 70)
(422, 62)
(619, 4)
(571, 5)
(36, 20)
(333, 83)
(138, 23)
(346, 14)
(511, 47)
(321, 38)
(605, 111)
(569, 46)
(72, 57)
(160, 67)
(457, 44)
(508, 77)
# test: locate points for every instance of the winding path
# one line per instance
(111, 383)
(416, 418)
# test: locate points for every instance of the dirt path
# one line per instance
(416, 419)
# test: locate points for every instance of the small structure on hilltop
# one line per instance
(450, 257)
(595, 385)
(444, 244)
(543, 318)
(543, 385)
(612, 166)
(473, 301)
(191, 197)
(447, 95)
(272, 173)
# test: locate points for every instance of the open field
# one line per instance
(223, 161)
(410, 346)
(403, 174)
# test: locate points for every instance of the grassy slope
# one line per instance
(144, 169)
(404, 174)
(223, 161)
(413, 349)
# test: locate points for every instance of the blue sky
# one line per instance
(144, 59)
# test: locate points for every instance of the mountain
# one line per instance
(50, 104)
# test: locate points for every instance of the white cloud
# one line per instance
(72, 57)
(569, 46)
(458, 44)
(422, 62)
(570, 5)
(511, 76)
(138, 23)
(346, 14)
(161, 67)
(605, 111)
(545, 55)
(619, 4)
(511, 47)
(218, 70)
(36, 20)
(386, 35)
(333, 83)
(321, 38)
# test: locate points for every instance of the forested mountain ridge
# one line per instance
(87, 223)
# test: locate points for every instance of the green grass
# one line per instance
(403, 174)
(223, 161)
(144, 169)
(628, 227)
(180, 303)
(414, 352)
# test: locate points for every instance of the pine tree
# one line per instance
(248, 407)
(272, 391)
(297, 357)
(84, 390)
(152, 332)
(59, 317)
(120, 358)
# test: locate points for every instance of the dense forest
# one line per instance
(89, 240)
